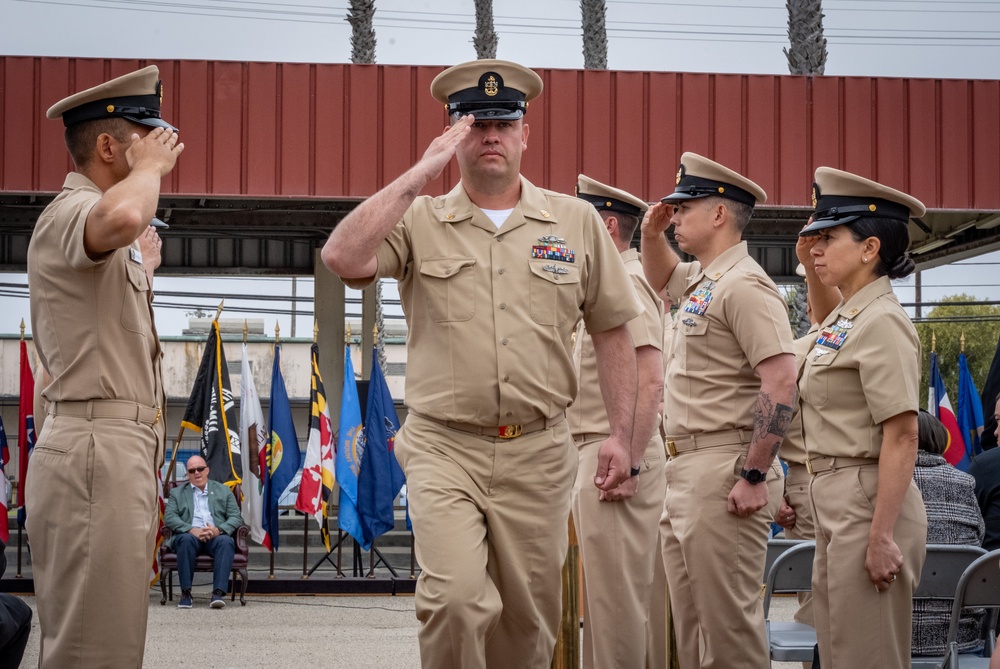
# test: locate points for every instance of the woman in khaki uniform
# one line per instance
(859, 397)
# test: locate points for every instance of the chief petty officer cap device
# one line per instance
(489, 89)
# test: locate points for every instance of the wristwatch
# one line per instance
(635, 471)
(753, 476)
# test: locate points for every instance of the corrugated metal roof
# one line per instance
(344, 131)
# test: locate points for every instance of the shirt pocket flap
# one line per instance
(137, 276)
(443, 268)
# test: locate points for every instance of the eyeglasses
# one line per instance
(196, 470)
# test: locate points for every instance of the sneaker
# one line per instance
(218, 599)
(185, 600)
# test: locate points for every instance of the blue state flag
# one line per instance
(381, 476)
(350, 451)
(282, 452)
(970, 414)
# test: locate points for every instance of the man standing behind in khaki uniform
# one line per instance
(617, 574)
(92, 500)
(730, 392)
(493, 277)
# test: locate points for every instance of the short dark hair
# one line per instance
(740, 211)
(80, 137)
(932, 435)
(894, 237)
(627, 223)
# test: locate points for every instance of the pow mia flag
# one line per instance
(212, 412)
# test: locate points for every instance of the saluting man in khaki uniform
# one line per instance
(859, 386)
(92, 500)
(494, 277)
(617, 574)
(730, 392)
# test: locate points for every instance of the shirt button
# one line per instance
(503, 305)
(506, 378)
(500, 271)
(504, 342)
(509, 414)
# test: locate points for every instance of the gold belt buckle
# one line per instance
(509, 431)
(671, 447)
(159, 412)
(809, 466)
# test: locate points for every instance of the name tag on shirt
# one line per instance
(135, 255)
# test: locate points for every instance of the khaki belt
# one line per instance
(693, 442)
(826, 464)
(499, 432)
(92, 409)
(584, 437)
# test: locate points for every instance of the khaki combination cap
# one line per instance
(700, 177)
(489, 89)
(608, 198)
(840, 198)
(135, 96)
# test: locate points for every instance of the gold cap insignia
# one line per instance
(871, 207)
(680, 173)
(721, 189)
(159, 90)
(110, 108)
(490, 87)
(607, 203)
(815, 195)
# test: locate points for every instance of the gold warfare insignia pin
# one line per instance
(491, 87)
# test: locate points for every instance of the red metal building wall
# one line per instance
(344, 131)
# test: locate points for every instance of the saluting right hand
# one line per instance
(441, 150)
(657, 218)
(157, 150)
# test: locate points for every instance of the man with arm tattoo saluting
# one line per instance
(730, 393)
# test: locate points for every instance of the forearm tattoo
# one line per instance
(771, 421)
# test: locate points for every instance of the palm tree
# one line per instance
(595, 34)
(361, 16)
(485, 39)
(807, 52)
(806, 55)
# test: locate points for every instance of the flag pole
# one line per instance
(277, 330)
(20, 484)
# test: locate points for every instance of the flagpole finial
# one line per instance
(933, 341)
(22, 329)
(218, 311)
(244, 330)
(375, 332)
(347, 335)
(315, 331)
(277, 329)
(962, 343)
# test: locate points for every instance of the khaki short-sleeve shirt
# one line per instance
(92, 320)
(588, 413)
(793, 449)
(491, 312)
(863, 368)
(730, 317)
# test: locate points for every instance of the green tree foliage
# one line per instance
(980, 323)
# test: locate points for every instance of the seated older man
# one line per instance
(203, 514)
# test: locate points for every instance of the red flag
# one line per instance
(4, 487)
(154, 574)
(25, 430)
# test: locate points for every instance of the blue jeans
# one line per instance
(221, 548)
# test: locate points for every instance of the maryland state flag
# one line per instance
(212, 412)
(940, 406)
(317, 472)
(25, 431)
(282, 452)
(381, 476)
(4, 486)
(350, 451)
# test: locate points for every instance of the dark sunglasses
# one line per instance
(196, 470)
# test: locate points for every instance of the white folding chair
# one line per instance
(943, 568)
(791, 572)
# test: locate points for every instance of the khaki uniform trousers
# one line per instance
(797, 480)
(92, 525)
(714, 560)
(489, 523)
(618, 542)
(857, 626)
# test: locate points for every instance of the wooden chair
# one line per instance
(241, 557)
